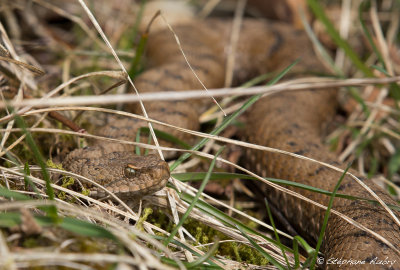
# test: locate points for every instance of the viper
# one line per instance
(287, 121)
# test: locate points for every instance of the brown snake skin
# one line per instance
(288, 121)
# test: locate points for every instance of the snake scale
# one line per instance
(288, 121)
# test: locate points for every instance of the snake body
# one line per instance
(288, 121)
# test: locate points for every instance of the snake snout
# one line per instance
(161, 172)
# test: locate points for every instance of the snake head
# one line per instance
(137, 176)
(127, 175)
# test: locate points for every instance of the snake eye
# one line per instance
(130, 171)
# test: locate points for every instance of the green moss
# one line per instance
(66, 181)
(51, 164)
(241, 253)
(30, 242)
(85, 191)
(146, 213)
(205, 235)
(235, 250)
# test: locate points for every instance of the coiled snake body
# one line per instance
(288, 121)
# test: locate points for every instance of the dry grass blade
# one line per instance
(345, 21)
(188, 63)
(208, 8)
(365, 129)
(315, 83)
(230, 61)
(112, 74)
(75, 19)
(4, 52)
(34, 69)
(100, 31)
(5, 253)
(381, 40)
(117, 228)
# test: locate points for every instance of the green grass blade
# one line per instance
(205, 257)
(166, 137)
(230, 118)
(77, 226)
(37, 154)
(11, 219)
(196, 198)
(326, 217)
(320, 14)
(188, 248)
(310, 251)
(135, 67)
(259, 79)
(394, 89)
(86, 228)
(6, 193)
(380, 69)
(27, 180)
(319, 47)
(186, 264)
(354, 94)
(296, 254)
(364, 6)
(394, 163)
(135, 28)
(51, 210)
(137, 139)
(224, 218)
(196, 176)
(271, 220)
(325, 55)
(149, 139)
